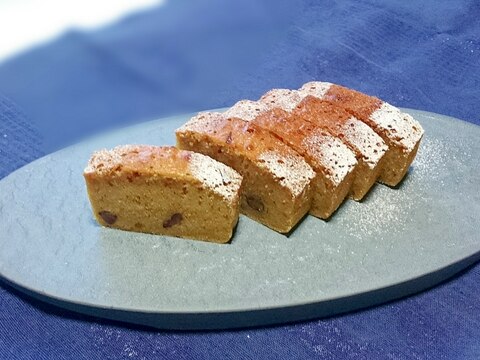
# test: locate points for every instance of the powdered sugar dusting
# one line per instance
(203, 121)
(282, 98)
(391, 211)
(401, 128)
(365, 140)
(433, 158)
(384, 214)
(291, 171)
(216, 176)
(246, 110)
(332, 154)
(316, 88)
(103, 161)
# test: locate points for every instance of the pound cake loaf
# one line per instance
(400, 131)
(367, 146)
(331, 160)
(276, 180)
(164, 190)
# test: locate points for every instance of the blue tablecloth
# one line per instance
(193, 55)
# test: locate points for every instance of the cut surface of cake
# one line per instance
(164, 190)
(367, 145)
(276, 179)
(401, 132)
(369, 148)
(332, 161)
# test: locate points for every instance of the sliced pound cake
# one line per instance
(276, 179)
(164, 190)
(400, 131)
(331, 160)
(367, 146)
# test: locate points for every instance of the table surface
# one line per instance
(187, 56)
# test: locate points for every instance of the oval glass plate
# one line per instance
(394, 243)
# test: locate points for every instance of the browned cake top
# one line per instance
(256, 144)
(284, 99)
(272, 112)
(246, 110)
(400, 128)
(146, 161)
(325, 151)
(339, 122)
(360, 104)
(343, 125)
(323, 112)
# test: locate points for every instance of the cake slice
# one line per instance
(401, 132)
(367, 146)
(276, 187)
(331, 160)
(163, 190)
